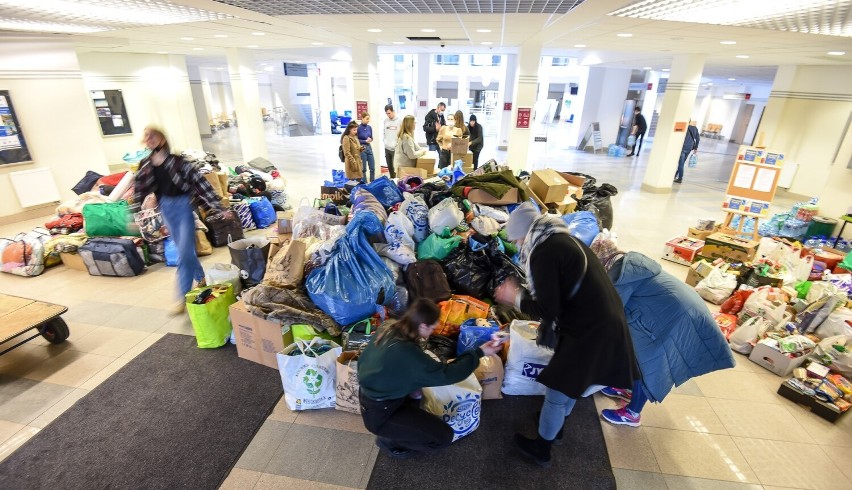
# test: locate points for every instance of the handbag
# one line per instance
(546, 335)
(357, 336)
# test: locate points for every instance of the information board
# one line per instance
(13, 146)
(755, 174)
(523, 119)
(360, 108)
(112, 115)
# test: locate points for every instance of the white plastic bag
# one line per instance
(839, 322)
(498, 215)
(458, 405)
(841, 362)
(309, 382)
(224, 273)
(444, 215)
(763, 303)
(525, 360)
(745, 336)
(401, 255)
(414, 207)
(716, 287)
(399, 230)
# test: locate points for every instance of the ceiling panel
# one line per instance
(378, 7)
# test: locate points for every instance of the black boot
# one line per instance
(538, 449)
(558, 440)
(386, 445)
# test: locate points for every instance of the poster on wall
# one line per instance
(13, 146)
(523, 118)
(112, 115)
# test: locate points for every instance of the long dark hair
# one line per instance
(408, 327)
(352, 124)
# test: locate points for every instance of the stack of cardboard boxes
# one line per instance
(555, 190)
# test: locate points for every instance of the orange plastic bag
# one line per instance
(456, 310)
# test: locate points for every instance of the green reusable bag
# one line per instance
(210, 320)
(108, 219)
(307, 333)
(435, 247)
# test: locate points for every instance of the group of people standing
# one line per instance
(401, 149)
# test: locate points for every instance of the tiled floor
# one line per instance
(725, 430)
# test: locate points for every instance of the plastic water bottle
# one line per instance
(812, 242)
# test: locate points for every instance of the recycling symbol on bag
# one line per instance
(313, 381)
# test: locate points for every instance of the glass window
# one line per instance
(398, 58)
(446, 59)
(485, 60)
(559, 61)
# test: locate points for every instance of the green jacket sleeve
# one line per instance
(429, 372)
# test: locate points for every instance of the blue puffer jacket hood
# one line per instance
(674, 336)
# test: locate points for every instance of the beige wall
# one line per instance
(56, 116)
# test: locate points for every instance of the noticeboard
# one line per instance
(13, 146)
(522, 120)
(755, 174)
(111, 112)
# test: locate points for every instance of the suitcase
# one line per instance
(221, 226)
(111, 257)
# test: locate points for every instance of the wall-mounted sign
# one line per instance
(523, 119)
(112, 115)
(650, 86)
(747, 96)
(295, 70)
(360, 108)
(507, 106)
(13, 147)
(422, 103)
(680, 127)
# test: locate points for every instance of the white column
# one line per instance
(422, 93)
(463, 90)
(529, 58)
(365, 84)
(244, 88)
(678, 103)
(198, 100)
(775, 106)
(508, 86)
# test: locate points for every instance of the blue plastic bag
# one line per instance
(354, 278)
(338, 179)
(262, 212)
(170, 252)
(471, 336)
(583, 225)
(384, 189)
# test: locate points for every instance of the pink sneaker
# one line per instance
(625, 395)
(622, 416)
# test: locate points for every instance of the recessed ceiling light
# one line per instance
(300, 61)
(483, 30)
(727, 42)
(198, 49)
(624, 34)
(187, 39)
(647, 68)
(742, 56)
(220, 36)
(731, 79)
(837, 53)
(709, 84)
(666, 69)
(398, 42)
(252, 46)
(427, 30)
(579, 45)
(258, 33)
(486, 43)
(317, 44)
(374, 30)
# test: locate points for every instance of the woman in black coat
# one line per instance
(476, 133)
(582, 318)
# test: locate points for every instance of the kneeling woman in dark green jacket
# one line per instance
(393, 369)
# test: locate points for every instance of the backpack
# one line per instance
(426, 279)
(340, 154)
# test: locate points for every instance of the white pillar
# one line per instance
(463, 90)
(198, 100)
(365, 84)
(244, 88)
(678, 103)
(422, 93)
(529, 58)
(508, 86)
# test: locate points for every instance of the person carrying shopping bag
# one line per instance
(365, 137)
(690, 145)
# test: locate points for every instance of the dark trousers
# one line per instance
(637, 147)
(683, 156)
(389, 159)
(404, 426)
(475, 158)
(444, 158)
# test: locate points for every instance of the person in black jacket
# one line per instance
(393, 369)
(433, 123)
(582, 319)
(690, 145)
(638, 131)
(476, 135)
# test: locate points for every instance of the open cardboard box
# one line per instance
(258, 340)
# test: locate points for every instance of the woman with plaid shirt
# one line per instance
(179, 187)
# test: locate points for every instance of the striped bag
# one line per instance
(244, 212)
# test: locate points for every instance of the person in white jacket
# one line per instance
(407, 150)
(390, 137)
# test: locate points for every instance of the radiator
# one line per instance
(34, 187)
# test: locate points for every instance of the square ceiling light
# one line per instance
(82, 16)
(827, 17)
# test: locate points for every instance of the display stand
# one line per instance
(751, 188)
(739, 230)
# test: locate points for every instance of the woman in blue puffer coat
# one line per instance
(674, 336)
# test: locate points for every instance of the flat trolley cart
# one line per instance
(20, 316)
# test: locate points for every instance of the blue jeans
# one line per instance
(367, 159)
(434, 147)
(556, 407)
(638, 399)
(683, 156)
(177, 212)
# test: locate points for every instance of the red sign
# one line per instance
(507, 106)
(650, 86)
(747, 96)
(422, 103)
(360, 108)
(523, 119)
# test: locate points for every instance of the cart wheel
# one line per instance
(54, 331)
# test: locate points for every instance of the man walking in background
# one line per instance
(434, 121)
(638, 131)
(390, 136)
(690, 145)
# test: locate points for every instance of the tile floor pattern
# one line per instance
(725, 430)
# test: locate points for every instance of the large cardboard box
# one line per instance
(698, 271)
(548, 185)
(729, 247)
(427, 162)
(459, 145)
(415, 171)
(466, 158)
(568, 205)
(774, 360)
(702, 234)
(258, 340)
(73, 261)
(479, 196)
(682, 250)
(576, 187)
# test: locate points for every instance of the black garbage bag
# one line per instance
(502, 268)
(598, 201)
(443, 347)
(469, 272)
(433, 192)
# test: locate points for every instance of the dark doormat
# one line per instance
(176, 416)
(488, 458)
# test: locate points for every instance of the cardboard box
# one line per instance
(730, 248)
(532, 196)
(479, 196)
(682, 250)
(415, 171)
(702, 234)
(285, 221)
(459, 145)
(827, 411)
(774, 360)
(427, 162)
(73, 261)
(258, 340)
(698, 271)
(548, 185)
(337, 195)
(576, 184)
(568, 205)
(466, 158)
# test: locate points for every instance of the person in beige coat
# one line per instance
(407, 150)
(352, 152)
(445, 138)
